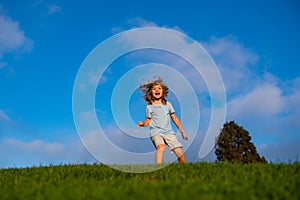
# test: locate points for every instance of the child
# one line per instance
(158, 113)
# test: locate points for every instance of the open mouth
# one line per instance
(157, 93)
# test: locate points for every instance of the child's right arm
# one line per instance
(144, 123)
(179, 126)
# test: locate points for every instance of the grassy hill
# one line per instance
(176, 181)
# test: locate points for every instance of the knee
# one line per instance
(160, 147)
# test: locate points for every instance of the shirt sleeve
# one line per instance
(170, 107)
(148, 112)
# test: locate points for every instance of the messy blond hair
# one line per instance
(147, 90)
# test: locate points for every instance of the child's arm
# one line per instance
(179, 126)
(144, 123)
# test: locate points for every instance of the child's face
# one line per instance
(157, 91)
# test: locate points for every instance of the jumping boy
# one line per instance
(158, 114)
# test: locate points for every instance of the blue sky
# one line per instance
(43, 43)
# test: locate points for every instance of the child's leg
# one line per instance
(180, 155)
(160, 151)
(176, 147)
(159, 144)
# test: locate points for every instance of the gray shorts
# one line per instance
(170, 140)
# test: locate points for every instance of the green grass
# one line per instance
(176, 181)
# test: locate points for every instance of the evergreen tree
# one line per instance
(234, 144)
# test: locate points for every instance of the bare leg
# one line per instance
(180, 155)
(159, 156)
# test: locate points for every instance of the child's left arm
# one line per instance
(179, 126)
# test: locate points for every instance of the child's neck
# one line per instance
(157, 101)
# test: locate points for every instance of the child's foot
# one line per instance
(182, 159)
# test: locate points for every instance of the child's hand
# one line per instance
(139, 124)
(184, 136)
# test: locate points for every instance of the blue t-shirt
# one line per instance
(160, 118)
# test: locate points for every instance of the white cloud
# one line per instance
(264, 100)
(47, 9)
(235, 62)
(97, 76)
(233, 59)
(12, 37)
(185, 48)
(267, 106)
(230, 52)
(4, 117)
(87, 115)
(36, 146)
(15, 151)
(281, 151)
(19, 153)
(6, 123)
(138, 22)
(271, 112)
(292, 103)
(271, 97)
(54, 9)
